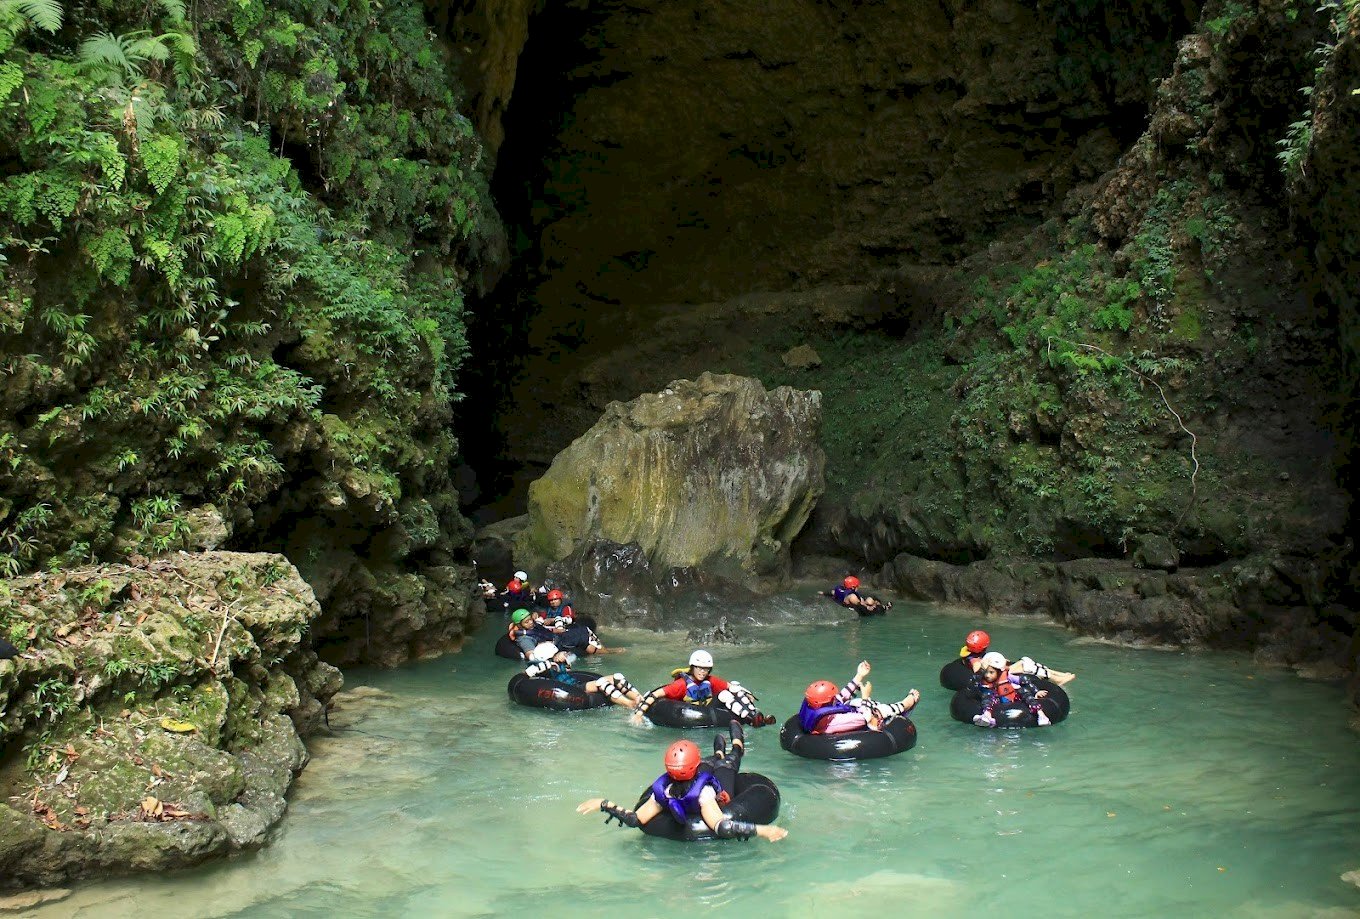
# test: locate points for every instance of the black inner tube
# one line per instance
(967, 702)
(898, 734)
(555, 693)
(754, 798)
(670, 713)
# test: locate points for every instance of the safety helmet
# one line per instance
(851, 582)
(701, 659)
(521, 576)
(555, 595)
(544, 652)
(977, 641)
(519, 615)
(516, 584)
(682, 760)
(994, 659)
(820, 693)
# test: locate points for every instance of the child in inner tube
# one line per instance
(699, 686)
(976, 644)
(689, 788)
(847, 594)
(550, 662)
(1001, 688)
(826, 710)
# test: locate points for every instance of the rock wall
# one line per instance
(155, 716)
(716, 475)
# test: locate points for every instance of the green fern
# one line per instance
(42, 14)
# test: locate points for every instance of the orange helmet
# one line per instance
(851, 582)
(820, 693)
(682, 760)
(554, 595)
(977, 641)
(515, 584)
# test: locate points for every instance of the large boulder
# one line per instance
(715, 476)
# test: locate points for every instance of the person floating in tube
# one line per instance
(698, 686)
(847, 594)
(827, 710)
(552, 663)
(517, 594)
(690, 787)
(1000, 687)
(977, 644)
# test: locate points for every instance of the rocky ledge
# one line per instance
(1273, 606)
(154, 717)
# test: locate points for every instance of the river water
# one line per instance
(1182, 784)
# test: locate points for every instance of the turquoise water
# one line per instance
(1182, 784)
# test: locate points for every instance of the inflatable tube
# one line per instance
(967, 702)
(898, 734)
(508, 649)
(956, 674)
(670, 713)
(7, 650)
(756, 799)
(542, 692)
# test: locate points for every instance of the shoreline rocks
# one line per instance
(155, 716)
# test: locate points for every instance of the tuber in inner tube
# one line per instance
(898, 734)
(755, 798)
(562, 692)
(967, 702)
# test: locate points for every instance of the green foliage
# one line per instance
(186, 294)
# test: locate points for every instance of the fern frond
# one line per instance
(105, 54)
(45, 14)
(173, 8)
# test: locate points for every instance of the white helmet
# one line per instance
(544, 652)
(994, 659)
(522, 575)
(701, 659)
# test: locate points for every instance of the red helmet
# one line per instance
(554, 595)
(682, 760)
(820, 693)
(851, 582)
(977, 641)
(515, 584)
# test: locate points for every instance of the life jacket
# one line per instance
(840, 592)
(809, 717)
(1007, 689)
(700, 693)
(686, 805)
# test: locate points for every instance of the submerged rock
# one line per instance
(712, 477)
(155, 717)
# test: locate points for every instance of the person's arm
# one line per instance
(724, 827)
(649, 809)
(718, 684)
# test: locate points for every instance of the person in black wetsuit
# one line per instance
(692, 786)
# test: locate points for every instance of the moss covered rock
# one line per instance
(715, 475)
(155, 716)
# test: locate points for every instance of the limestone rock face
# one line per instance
(715, 475)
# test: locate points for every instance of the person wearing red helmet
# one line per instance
(847, 593)
(698, 685)
(828, 710)
(517, 594)
(977, 643)
(690, 786)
